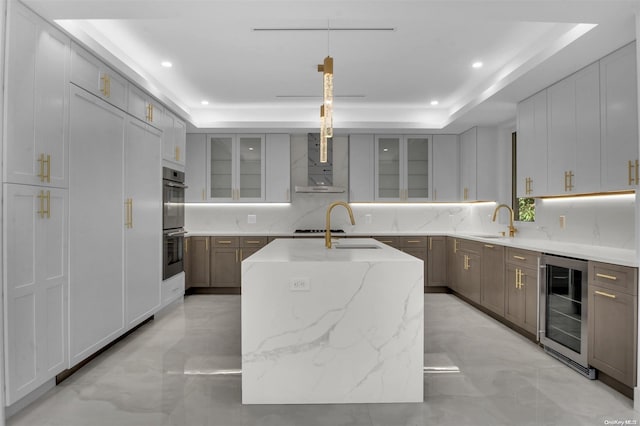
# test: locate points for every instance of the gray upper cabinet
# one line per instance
(445, 168)
(478, 164)
(531, 150)
(619, 125)
(361, 188)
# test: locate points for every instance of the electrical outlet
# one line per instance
(563, 221)
(367, 219)
(300, 284)
(251, 218)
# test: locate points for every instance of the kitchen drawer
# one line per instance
(226, 242)
(246, 242)
(614, 277)
(469, 245)
(172, 289)
(392, 241)
(522, 257)
(407, 242)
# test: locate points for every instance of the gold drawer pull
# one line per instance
(489, 246)
(609, 295)
(253, 242)
(519, 257)
(386, 241)
(224, 242)
(414, 241)
(609, 277)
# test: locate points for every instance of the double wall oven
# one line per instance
(173, 222)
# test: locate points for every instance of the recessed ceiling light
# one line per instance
(166, 64)
(386, 149)
(477, 64)
(204, 102)
(434, 103)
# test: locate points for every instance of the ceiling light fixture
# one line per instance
(204, 102)
(434, 103)
(477, 64)
(326, 109)
(166, 64)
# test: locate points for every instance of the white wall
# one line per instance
(3, 8)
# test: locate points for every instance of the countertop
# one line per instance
(314, 250)
(604, 254)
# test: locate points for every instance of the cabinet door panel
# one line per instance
(418, 159)
(226, 267)
(561, 120)
(445, 168)
(37, 77)
(361, 168)
(612, 333)
(437, 262)
(492, 281)
(278, 168)
(587, 152)
(96, 136)
(388, 183)
(143, 246)
(198, 263)
(196, 168)
(530, 289)
(251, 167)
(514, 302)
(220, 170)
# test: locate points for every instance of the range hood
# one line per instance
(319, 175)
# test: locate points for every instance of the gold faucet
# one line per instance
(327, 233)
(512, 229)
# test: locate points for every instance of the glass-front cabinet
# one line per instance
(236, 170)
(402, 168)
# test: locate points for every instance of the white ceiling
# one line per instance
(383, 79)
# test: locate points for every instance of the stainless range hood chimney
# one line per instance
(319, 175)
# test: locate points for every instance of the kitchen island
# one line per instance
(340, 325)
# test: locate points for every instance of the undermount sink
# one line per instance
(341, 245)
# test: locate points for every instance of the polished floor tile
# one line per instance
(183, 369)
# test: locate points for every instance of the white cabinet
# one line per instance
(236, 168)
(445, 168)
(278, 168)
(361, 169)
(531, 150)
(573, 123)
(35, 286)
(619, 112)
(172, 289)
(402, 168)
(196, 168)
(93, 75)
(174, 140)
(96, 226)
(35, 149)
(478, 164)
(144, 107)
(143, 220)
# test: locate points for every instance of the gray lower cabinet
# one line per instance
(521, 283)
(492, 278)
(414, 245)
(437, 262)
(196, 262)
(468, 267)
(225, 262)
(613, 320)
(452, 273)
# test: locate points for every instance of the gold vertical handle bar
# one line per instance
(455, 246)
(186, 245)
(108, 86)
(637, 173)
(602, 293)
(48, 175)
(151, 112)
(131, 212)
(41, 175)
(177, 153)
(103, 89)
(571, 176)
(631, 174)
(41, 198)
(206, 244)
(48, 197)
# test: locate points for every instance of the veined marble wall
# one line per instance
(602, 221)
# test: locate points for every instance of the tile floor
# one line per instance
(182, 369)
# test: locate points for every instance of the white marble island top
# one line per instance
(332, 325)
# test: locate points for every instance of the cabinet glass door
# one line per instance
(417, 167)
(388, 173)
(251, 167)
(221, 167)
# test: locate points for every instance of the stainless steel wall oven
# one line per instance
(173, 222)
(563, 311)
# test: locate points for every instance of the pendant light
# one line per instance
(326, 110)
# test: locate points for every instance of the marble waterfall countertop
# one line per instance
(324, 326)
(613, 255)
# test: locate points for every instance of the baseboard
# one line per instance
(613, 383)
(213, 290)
(28, 399)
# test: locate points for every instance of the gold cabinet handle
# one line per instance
(630, 171)
(206, 244)
(608, 277)
(104, 89)
(45, 198)
(130, 212)
(48, 161)
(203, 194)
(602, 293)
(186, 245)
(177, 156)
(489, 246)
(637, 173)
(455, 246)
(128, 205)
(252, 242)
(430, 243)
(224, 242)
(41, 174)
(519, 257)
(466, 194)
(413, 241)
